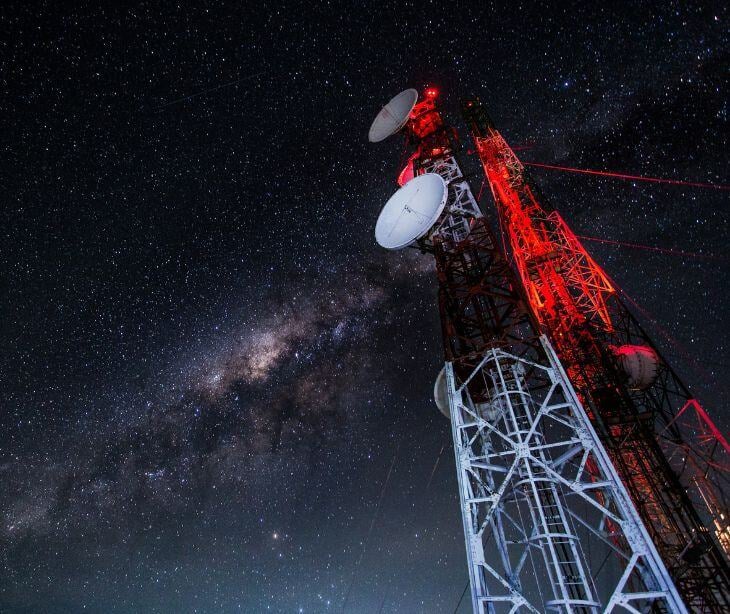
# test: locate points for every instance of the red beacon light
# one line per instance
(431, 92)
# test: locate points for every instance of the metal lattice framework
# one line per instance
(534, 479)
(710, 454)
(548, 524)
(539, 237)
(671, 470)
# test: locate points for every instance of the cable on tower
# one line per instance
(585, 171)
(652, 248)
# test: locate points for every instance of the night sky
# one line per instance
(215, 388)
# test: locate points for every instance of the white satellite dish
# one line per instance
(393, 116)
(411, 211)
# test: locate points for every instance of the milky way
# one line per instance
(288, 377)
(210, 368)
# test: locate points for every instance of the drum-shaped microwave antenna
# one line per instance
(640, 363)
(393, 116)
(440, 393)
(411, 211)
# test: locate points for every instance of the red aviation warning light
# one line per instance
(408, 171)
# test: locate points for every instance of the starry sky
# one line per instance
(215, 387)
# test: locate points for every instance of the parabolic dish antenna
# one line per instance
(393, 116)
(411, 211)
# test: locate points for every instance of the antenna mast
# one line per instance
(548, 523)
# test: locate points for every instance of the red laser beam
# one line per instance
(663, 250)
(586, 171)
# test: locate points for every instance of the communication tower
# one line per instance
(676, 470)
(548, 523)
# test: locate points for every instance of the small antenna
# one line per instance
(393, 116)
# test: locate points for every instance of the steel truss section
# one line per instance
(561, 279)
(542, 506)
(462, 206)
(676, 473)
(677, 469)
(710, 455)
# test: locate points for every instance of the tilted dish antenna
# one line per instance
(393, 116)
(411, 211)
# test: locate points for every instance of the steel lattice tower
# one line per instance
(676, 470)
(548, 523)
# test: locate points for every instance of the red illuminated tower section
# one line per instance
(670, 456)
